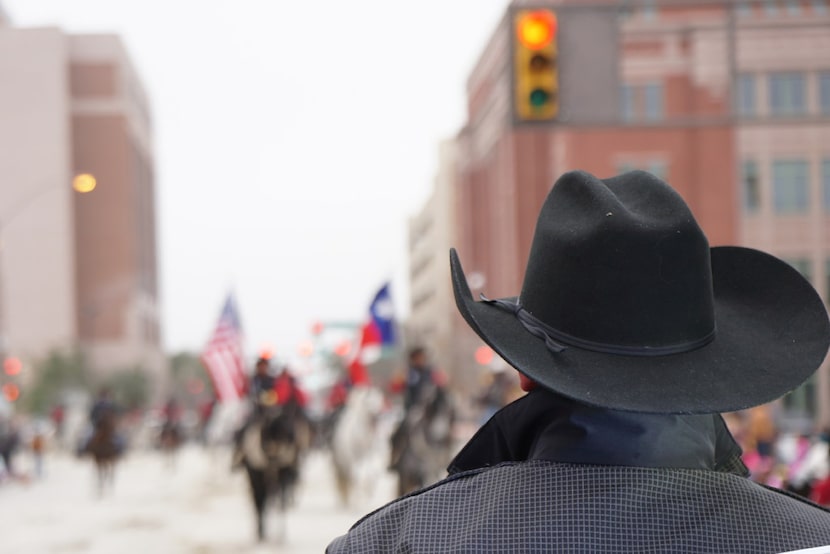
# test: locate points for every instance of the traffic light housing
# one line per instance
(535, 72)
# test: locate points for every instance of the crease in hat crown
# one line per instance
(604, 251)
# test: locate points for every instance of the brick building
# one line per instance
(76, 270)
(727, 101)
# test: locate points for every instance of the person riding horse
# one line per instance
(171, 432)
(270, 443)
(102, 421)
(425, 391)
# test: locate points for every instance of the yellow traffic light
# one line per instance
(535, 76)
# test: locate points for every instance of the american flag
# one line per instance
(223, 356)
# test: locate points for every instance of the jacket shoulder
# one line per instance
(545, 506)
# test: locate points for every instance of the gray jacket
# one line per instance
(549, 475)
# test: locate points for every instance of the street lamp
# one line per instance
(84, 182)
(81, 183)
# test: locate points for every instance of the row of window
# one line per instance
(786, 96)
(647, 9)
(790, 186)
(775, 7)
(786, 93)
(641, 102)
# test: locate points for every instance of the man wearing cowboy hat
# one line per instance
(631, 335)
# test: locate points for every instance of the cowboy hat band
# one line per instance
(556, 340)
(624, 305)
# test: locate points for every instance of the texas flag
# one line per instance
(377, 332)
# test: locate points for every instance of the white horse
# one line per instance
(359, 443)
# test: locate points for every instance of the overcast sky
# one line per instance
(293, 139)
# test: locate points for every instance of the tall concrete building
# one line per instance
(76, 270)
(729, 101)
(431, 234)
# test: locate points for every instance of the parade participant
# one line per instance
(419, 377)
(103, 407)
(262, 381)
(288, 390)
(58, 417)
(171, 434)
(631, 334)
(260, 392)
(423, 383)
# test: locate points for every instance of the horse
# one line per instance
(356, 442)
(105, 448)
(422, 445)
(169, 440)
(271, 446)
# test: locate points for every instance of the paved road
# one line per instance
(198, 508)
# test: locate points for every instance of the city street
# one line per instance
(199, 507)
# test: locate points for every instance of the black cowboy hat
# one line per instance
(625, 306)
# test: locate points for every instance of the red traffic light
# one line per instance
(536, 29)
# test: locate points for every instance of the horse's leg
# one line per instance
(100, 476)
(256, 478)
(111, 475)
(343, 480)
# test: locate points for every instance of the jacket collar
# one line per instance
(543, 425)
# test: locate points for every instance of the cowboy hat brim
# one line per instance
(772, 333)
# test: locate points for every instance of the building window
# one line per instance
(771, 7)
(820, 6)
(746, 95)
(625, 167)
(793, 6)
(750, 187)
(649, 10)
(627, 107)
(790, 186)
(825, 183)
(653, 93)
(824, 92)
(786, 93)
(658, 168)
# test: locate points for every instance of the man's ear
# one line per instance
(526, 383)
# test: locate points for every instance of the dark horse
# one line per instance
(271, 446)
(422, 445)
(105, 448)
(169, 440)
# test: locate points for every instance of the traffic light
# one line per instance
(535, 74)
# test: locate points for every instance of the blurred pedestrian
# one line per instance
(58, 418)
(9, 444)
(631, 335)
(38, 446)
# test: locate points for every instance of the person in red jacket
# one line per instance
(288, 390)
